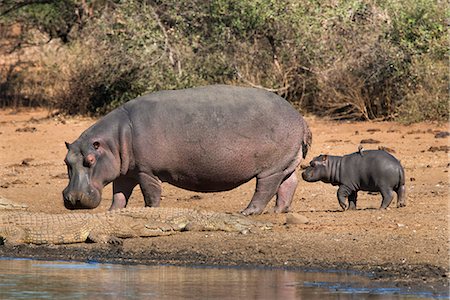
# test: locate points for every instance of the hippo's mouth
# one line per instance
(308, 174)
(79, 200)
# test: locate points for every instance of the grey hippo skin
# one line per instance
(205, 139)
(369, 170)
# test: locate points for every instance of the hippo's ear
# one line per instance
(67, 145)
(324, 157)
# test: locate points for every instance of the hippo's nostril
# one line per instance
(72, 200)
(68, 204)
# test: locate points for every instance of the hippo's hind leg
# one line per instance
(151, 189)
(401, 197)
(352, 200)
(266, 188)
(387, 194)
(285, 193)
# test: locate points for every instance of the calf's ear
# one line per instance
(324, 158)
(67, 145)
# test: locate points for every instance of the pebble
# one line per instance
(294, 218)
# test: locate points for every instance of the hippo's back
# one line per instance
(215, 133)
(232, 101)
(374, 168)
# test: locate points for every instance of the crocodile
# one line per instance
(6, 204)
(17, 227)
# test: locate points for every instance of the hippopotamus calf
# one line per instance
(369, 170)
(205, 139)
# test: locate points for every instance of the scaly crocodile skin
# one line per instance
(40, 228)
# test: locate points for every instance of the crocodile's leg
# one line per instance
(12, 235)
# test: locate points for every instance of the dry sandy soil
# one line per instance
(407, 245)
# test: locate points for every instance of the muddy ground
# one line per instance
(408, 245)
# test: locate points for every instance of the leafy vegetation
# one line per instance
(355, 59)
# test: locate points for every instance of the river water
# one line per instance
(32, 279)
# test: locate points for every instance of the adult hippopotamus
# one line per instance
(369, 170)
(204, 139)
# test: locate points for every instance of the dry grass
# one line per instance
(346, 60)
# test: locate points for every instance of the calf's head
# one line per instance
(90, 165)
(317, 170)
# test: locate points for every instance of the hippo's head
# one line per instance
(90, 166)
(317, 170)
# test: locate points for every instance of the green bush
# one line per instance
(345, 59)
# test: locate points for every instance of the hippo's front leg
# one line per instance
(342, 194)
(122, 189)
(151, 189)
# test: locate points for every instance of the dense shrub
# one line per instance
(346, 59)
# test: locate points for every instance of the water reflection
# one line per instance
(28, 279)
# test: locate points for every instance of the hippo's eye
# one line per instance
(96, 145)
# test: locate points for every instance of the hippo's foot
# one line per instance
(118, 203)
(351, 206)
(266, 188)
(252, 210)
(280, 210)
(401, 205)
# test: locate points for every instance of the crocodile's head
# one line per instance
(90, 166)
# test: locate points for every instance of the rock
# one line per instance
(369, 141)
(26, 129)
(439, 148)
(294, 218)
(442, 134)
(27, 161)
(372, 130)
(386, 149)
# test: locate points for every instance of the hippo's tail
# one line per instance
(401, 190)
(402, 176)
(307, 139)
